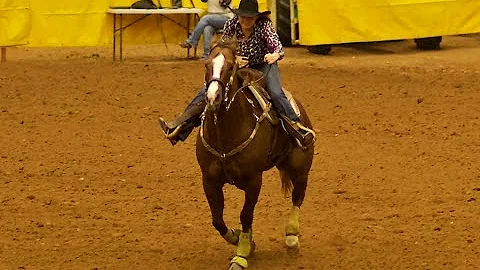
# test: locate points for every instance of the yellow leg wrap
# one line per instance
(240, 261)
(244, 244)
(232, 236)
(293, 224)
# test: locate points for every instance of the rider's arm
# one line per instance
(271, 38)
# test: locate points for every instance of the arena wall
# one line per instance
(52, 23)
(344, 21)
(15, 22)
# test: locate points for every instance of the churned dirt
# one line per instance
(87, 180)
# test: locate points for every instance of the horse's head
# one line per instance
(220, 66)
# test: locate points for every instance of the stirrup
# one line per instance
(308, 135)
(302, 135)
(170, 133)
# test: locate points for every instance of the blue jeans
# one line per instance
(274, 87)
(208, 25)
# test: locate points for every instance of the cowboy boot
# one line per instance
(170, 131)
(304, 135)
(176, 3)
(183, 125)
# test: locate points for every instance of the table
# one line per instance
(120, 11)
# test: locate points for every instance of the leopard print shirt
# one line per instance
(263, 40)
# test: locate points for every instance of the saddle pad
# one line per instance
(292, 101)
(264, 101)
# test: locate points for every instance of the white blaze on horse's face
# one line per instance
(213, 91)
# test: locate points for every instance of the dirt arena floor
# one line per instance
(87, 180)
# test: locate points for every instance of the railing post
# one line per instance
(4, 55)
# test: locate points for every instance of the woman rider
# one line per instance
(260, 44)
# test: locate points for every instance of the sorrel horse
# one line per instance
(236, 144)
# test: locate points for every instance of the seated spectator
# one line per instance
(218, 14)
(176, 3)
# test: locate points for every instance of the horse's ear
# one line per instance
(232, 45)
(215, 40)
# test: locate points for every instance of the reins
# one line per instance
(245, 86)
(242, 146)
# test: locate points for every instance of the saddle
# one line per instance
(257, 89)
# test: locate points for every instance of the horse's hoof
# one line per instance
(235, 266)
(292, 241)
(238, 263)
(232, 236)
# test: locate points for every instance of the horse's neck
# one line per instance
(237, 110)
(236, 96)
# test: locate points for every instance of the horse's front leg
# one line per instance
(214, 193)
(246, 245)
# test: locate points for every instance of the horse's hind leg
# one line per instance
(299, 182)
(214, 193)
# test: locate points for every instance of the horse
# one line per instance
(236, 143)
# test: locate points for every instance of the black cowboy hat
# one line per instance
(249, 8)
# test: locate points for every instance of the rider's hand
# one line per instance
(271, 58)
(242, 61)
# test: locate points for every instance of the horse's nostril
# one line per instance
(214, 100)
(217, 99)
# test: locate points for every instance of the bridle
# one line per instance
(259, 119)
(222, 84)
(218, 80)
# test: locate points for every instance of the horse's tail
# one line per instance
(287, 185)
